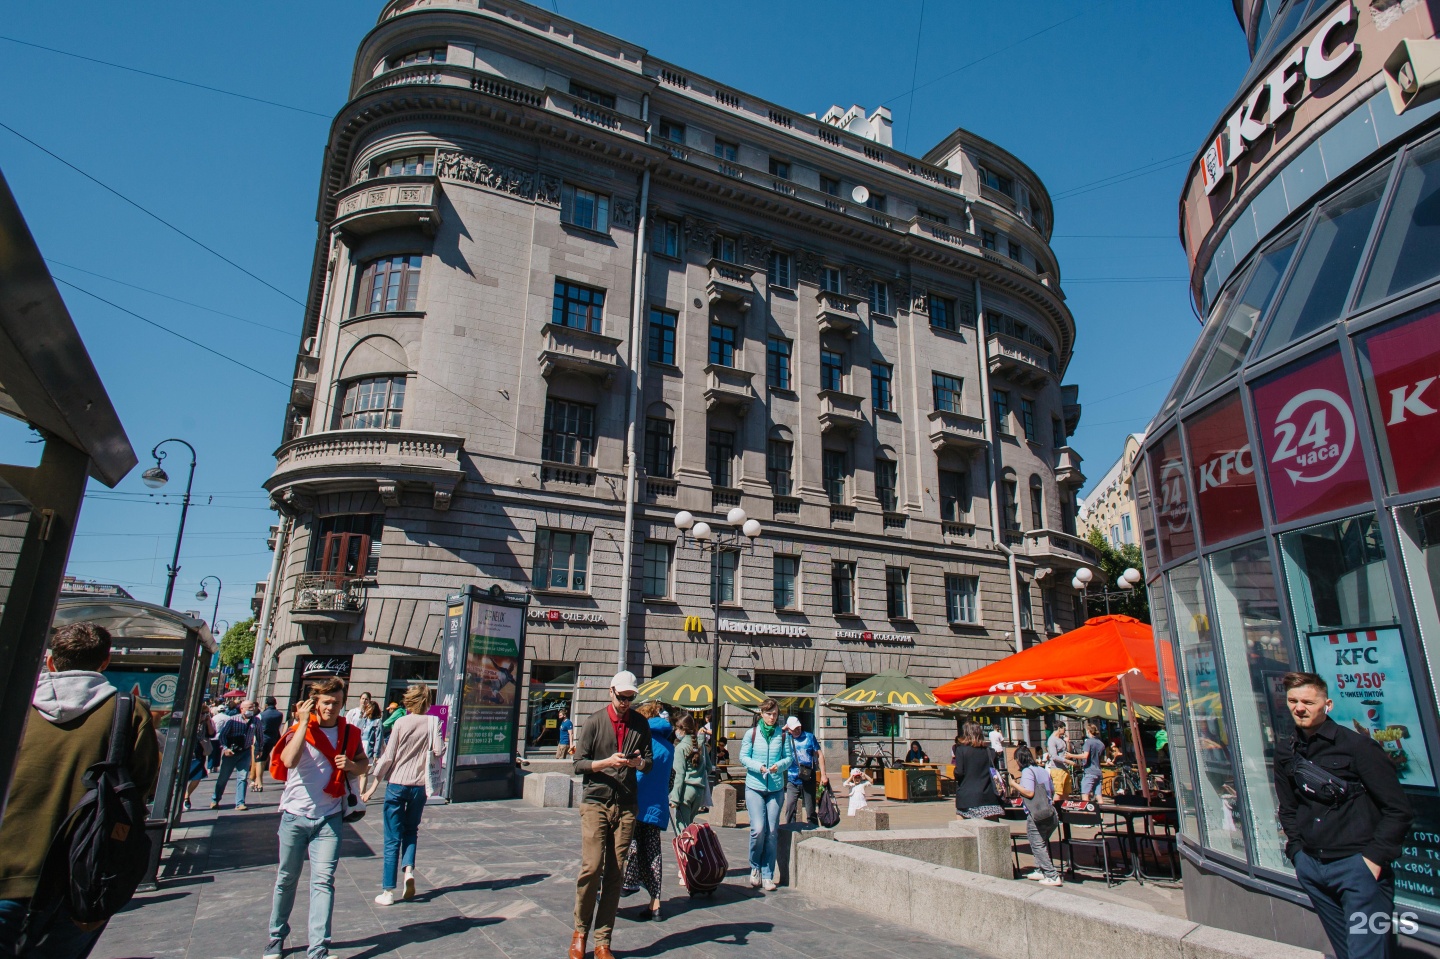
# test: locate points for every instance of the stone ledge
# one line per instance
(547, 790)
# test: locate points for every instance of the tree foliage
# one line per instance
(1134, 602)
(238, 643)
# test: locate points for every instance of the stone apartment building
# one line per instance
(1110, 507)
(539, 247)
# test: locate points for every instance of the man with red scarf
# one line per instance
(314, 757)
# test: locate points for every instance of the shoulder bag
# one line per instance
(1039, 805)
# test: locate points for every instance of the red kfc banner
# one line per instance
(1223, 471)
(1171, 499)
(1311, 443)
(1404, 391)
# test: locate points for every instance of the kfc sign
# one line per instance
(1171, 498)
(1404, 391)
(1308, 430)
(1226, 497)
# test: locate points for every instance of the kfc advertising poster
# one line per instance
(1223, 471)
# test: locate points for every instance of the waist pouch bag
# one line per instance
(1320, 785)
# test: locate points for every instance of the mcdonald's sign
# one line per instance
(693, 624)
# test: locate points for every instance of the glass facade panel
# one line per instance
(1337, 576)
(1405, 254)
(1398, 363)
(1191, 369)
(1247, 616)
(1217, 800)
(1227, 503)
(1172, 498)
(1240, 324)
(1177, 749)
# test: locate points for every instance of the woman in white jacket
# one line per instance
(405, 766)
(766, 752)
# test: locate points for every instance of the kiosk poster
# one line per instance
(491, 685)
(1370, 685)
(157, 689)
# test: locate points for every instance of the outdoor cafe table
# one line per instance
(1131, 813)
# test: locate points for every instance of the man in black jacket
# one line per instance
(1345, 818)
(613, 744)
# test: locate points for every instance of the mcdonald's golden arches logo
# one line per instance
(693, 624)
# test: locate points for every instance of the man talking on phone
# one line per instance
(613, 745)
(1345, 817)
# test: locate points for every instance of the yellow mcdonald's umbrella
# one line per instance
(688, 687)
(888, 691)
(1088, 707)
(1034, 704)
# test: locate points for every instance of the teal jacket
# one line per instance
(757, 753)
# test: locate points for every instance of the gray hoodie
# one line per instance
(63, 696)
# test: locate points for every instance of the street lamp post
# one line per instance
(1127, 581)
(156, 477)
(202, 596)
(739, 538)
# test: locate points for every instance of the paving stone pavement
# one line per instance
(495, 880)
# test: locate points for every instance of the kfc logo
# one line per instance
(1218, 471)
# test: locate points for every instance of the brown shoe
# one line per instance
(577, 946)
(602, 951)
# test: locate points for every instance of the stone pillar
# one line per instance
(787, 858)
(722, 805)
(870, 820)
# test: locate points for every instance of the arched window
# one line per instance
(1037, 503)
(372, 385)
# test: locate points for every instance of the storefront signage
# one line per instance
(1172, 498)
(1307, 428)
(491, 685)
(866, 636)
(1404, 391)
(325, 666)
(561, 617)
(1271, 99)
(763, 629)
(1370, 685)
(1226, 497)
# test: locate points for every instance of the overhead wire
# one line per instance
(914, 71)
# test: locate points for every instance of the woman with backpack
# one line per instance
(1038, 790)
(692, 771)
(766, 753)
(652, 815)
(975, 793)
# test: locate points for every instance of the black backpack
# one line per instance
(102, 851)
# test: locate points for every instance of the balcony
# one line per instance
(842, 514)
(786, 506)
(567, 348)
(389, 203)
(1067, 467)
(384, 461)
(841, 411)
(962, 531)
(1021, 362)
(730, 283)
(563, 475)
(1053, 545)
(657, 489)
(724, 498)
(727, 386)
(327, 598)
(302, 389)
(1070, 396)
(956, 430)
(839, 313)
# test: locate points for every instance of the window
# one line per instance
(829, 185)
(725, 249)
(722, 344)
(881, 395)
(1047, 610)
(779, 270)
(1015, 252)
(662, 336)
(569, 432)
(886, 480)
(962, 595)
(1027, 418)
(1128, 536)
(1115, 535)
(606, 100)
(374, 403)
(783, 589)
(723, 566)
(836, 468)
(954, 496)
(1037, 504)
(779, 169)
(987, 239)
(778, 458)
(876, 202)
(430, 55)
(578, 307)
(832, 371)
(562, 560)
(1000, 399)
(946, 389)
(1057, 433)
(659, 447)
(1009, 506)
(665, 238)
(795, 692)
(942, 312)
(830, 279)
(1027, 619)
(897, 592)
(389, 283)
(726, 150)
(1233, 341)
(422, 165)
(720, 457)
(880, 297)
(777, 363)
(940, 218)
(1405, 251)
(655, 580)
(585, 208)
(997, 181)
(842, 588)
(672, 131)
(346, 546)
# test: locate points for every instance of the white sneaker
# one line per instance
(386, 898)
(1057, 881)
(1035, 875)
(769, 885)
(754, 879)
(409, 883)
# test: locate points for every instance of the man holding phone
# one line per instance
(614, 743)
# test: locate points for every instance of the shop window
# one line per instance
(655, 582)
(1222, 471)
(1397, 367)
(1315, 295)
(786, 572)
(552, 691)
(723, 567)
(578, 307)
(1217, 798)
(1405, 253)
(1257, 657)
(1239, 328)
(585, 208)
(562, 560)
(569, 433)
(842, 588)
(1172, 498)
(1174, 760)
(407, 671)
(1420, 549)
(795, 692)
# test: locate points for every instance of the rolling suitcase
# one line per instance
(701, 860)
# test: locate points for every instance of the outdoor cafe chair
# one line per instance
(1074, 813)
(1160, 835)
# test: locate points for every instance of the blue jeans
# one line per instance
(403, 808)
(59, 938)
(1348, 899)
(228, 766)
(319, 839)
(764, 810)
(1091, 782)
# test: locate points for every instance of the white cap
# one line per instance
(624, 682)
(792, 723)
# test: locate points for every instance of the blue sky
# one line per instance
(1111, 87)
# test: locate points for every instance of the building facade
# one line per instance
(1110, 507)
(1289, 487)
(546, 257)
